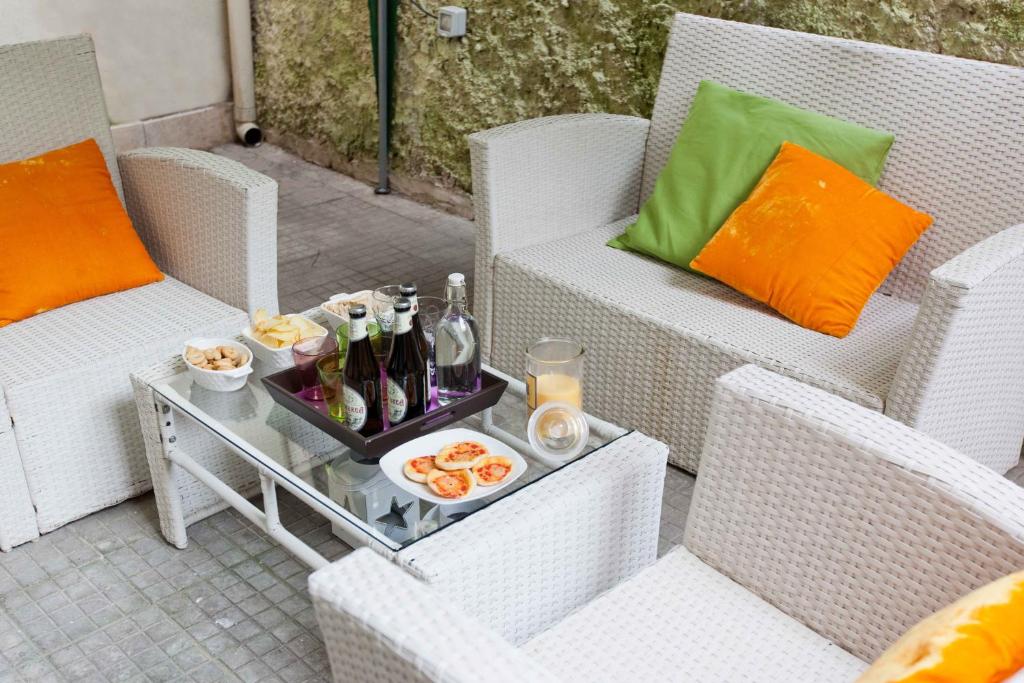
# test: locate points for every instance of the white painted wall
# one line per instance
(155, 56)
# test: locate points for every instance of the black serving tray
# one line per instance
(285, 387)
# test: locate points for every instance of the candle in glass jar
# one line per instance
(555, 387)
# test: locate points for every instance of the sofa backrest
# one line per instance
(959, 124)
(50, 97)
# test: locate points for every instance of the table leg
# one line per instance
(165, 480)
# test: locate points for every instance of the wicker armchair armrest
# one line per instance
(206, 220)
(380, 624)
(850, 522)
(553, 546)
(538, 180)
(961, 379)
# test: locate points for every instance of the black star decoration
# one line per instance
(395, 517)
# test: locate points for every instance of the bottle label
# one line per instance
(355, 409)
(398, 403)
(415, 304)
(356, 329)
(403, 323)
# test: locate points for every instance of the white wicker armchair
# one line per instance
(70, 441)
(939, 347)
(811, 545)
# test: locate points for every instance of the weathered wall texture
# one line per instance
(525, 58)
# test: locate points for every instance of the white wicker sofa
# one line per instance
(810, 546)
(941, 345)
(70, 440)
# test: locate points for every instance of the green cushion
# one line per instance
(724, 147)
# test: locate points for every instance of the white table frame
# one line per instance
(356, 532)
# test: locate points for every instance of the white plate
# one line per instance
(429, 444)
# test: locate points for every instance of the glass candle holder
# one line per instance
(554, 372)
(306, 352)
(331, 371)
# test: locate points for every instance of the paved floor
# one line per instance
(335, 235)
(105, 598)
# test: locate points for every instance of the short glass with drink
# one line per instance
(306, 352)
(554, 372)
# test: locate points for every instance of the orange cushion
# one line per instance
(813, 241)
(977, 639)
(64, 233)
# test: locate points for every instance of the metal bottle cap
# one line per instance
(357, 311)
(402, 305)
(558, 432)
(456, 279)
(407, 288)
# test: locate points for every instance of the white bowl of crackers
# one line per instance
(217, 364)
(453, 466)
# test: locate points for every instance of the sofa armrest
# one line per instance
(380, 624)
(852, 523)
(207, 221)
(537, 180)
(961, 379)
(554, 545)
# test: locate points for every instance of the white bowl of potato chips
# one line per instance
(217, 364)
(271, 337)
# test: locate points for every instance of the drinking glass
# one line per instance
(372, 331)
(331, 371)
(384, 299)
(431, 310)
(554, 372)
(306, 352)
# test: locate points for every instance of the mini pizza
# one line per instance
(492, 470)
(417, 469)
(451, 484)
(461, 455)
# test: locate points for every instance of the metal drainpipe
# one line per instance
(244, 92)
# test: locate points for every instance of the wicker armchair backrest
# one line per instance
(50, 97)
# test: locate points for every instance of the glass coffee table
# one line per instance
(520, 559)
(208, 435)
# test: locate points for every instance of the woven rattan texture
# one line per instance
(969, 399)
(680, 620)
(76, 426)
(537, 180)
(209, 221)
(380, 624)
(959, 124)
(554, 545)
(848, 521)
(50, 97)
(17, 516)
(658, 337)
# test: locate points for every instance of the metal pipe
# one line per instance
(242, 79)
(383, 162)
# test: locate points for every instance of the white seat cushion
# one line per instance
(657, 337)
(65, 377)
(680, 620)
(123, 322)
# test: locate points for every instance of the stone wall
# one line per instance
(526, 58)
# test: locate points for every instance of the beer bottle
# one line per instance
(408, 290)
(363, 403)
(408, 381)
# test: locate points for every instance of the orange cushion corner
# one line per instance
(65, 235)
(813, 241)
(977, 639)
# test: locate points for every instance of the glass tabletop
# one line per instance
(343, 483)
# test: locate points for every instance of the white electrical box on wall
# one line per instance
(451, 22)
